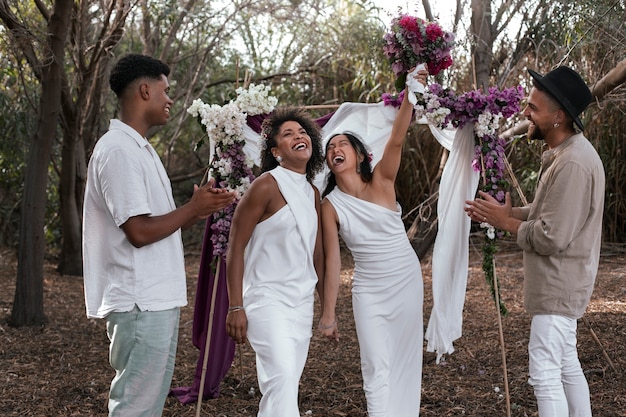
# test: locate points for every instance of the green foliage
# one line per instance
(310, 52)
(13, 152)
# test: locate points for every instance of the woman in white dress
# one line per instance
(275, 257)
(387, 289)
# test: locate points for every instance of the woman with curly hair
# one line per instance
(275, 258)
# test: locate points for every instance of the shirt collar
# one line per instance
(117, 124)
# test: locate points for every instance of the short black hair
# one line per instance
(269, 131)
(132, 67)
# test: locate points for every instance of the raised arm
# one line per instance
(387, 168)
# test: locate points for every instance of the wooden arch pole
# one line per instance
(207, 345)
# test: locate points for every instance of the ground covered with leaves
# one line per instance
(61, 369)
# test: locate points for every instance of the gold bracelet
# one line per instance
(234, 308)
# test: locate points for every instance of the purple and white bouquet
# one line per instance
(227, 161)
(413, 41)
(442, 107)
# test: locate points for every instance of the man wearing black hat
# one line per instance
(560, 234)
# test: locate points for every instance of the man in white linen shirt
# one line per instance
(133, 257)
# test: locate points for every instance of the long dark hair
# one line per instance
(365, 167)
(269, 131)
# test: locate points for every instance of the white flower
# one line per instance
(223, 166)
(224, 126)
(419, 111)
(491, 231)
(484, 125)
(438, 116)
(255, 100)
(196, 107)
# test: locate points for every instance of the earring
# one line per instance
(279, 159)
(358, 169)
(556, 125)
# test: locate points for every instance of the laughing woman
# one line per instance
(387, 291)
(275, 257)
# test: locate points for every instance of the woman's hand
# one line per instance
(237, 325)
(421, 75)
(329, 328)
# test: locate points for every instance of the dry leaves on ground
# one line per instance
(61, 369)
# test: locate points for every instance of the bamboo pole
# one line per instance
(207, 345)
(593, 335)
(496, 290)
(321, 106)
(502, 346)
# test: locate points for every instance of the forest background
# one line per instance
(55, 101)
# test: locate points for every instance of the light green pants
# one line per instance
(142, 352)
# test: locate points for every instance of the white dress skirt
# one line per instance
(387, 299)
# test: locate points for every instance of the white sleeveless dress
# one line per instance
(387, 298)
(278, 294)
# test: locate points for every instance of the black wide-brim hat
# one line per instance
(568, 88)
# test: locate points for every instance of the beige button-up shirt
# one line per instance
(561, 235)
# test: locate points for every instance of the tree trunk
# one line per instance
(28, 303)
(71, 190)
(482, 45)
(80, 123)
(612, 80)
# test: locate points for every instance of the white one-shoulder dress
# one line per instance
(387, 299)
(278, 294)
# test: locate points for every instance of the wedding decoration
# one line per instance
(442, 107)
(227, 162)
(412, 41)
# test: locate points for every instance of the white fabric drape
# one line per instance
(370, 122)
(450, 257)
(373, 123)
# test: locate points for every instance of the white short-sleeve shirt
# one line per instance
(126, 178)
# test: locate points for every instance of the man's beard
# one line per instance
(535, 133)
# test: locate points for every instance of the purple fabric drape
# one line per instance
(222, 349)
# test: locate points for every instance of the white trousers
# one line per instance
(142, 352)
(280, 337)
(555, 372)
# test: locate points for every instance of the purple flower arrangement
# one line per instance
(442, 107)
(233, 171)
(413, 41)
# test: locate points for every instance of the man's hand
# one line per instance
(207, 199)
(487, 209)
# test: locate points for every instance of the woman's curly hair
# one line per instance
(269, 131)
